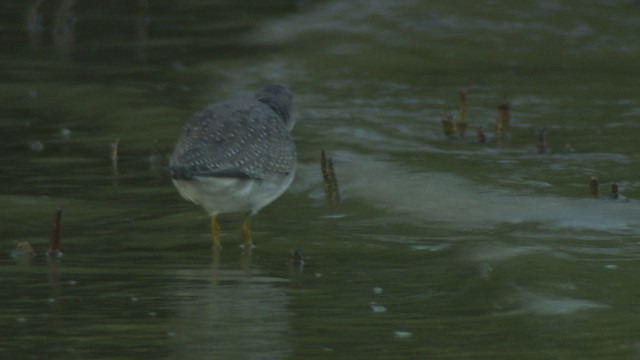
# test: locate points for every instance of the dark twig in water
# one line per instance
(461, 119)
(296, 261)
(330, 181)
(295, 257)
(615, 191)
(482, 138)
(114, 156)
(447, 126)
(54, 247)
(593, 187)
(541, 146)
(502, 122)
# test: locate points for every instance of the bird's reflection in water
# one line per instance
(35, 28)
(230, 313)
(64, 27)
(142, 30)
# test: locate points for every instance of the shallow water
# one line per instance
(440, 249)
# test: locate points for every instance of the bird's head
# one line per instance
(280, 100)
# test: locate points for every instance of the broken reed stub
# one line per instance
(56, 235)
(593, 187)
(541, 146)
(480, 136)
(330, 181)
(447, 126)
(461, 118)
(325, 175)
(335, 198)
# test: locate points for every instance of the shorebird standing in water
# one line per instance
(237, 156)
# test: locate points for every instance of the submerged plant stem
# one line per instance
(502, 122)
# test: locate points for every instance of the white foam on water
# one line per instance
(446, 198)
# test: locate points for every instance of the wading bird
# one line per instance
(237, 156)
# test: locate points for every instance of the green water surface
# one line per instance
(441, 249)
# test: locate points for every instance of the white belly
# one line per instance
(225, 195)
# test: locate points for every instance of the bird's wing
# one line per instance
(234, 139)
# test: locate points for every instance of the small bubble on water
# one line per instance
(73, 282)
(36, 146)
(54, 253)
(334, 216)
(66, 133)
(178, 66)
(318, 275)
(134, 299)
(22, 320)
(51, 300)
(431, 248)
(485, 271)
(171, 333)
(377, 308)
(402, 334)
(377, 290)
(152, 314)
(611, 267)
(24, 250)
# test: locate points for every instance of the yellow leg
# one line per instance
(246, 232)
(215, 233)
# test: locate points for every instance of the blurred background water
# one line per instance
(440, 249)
